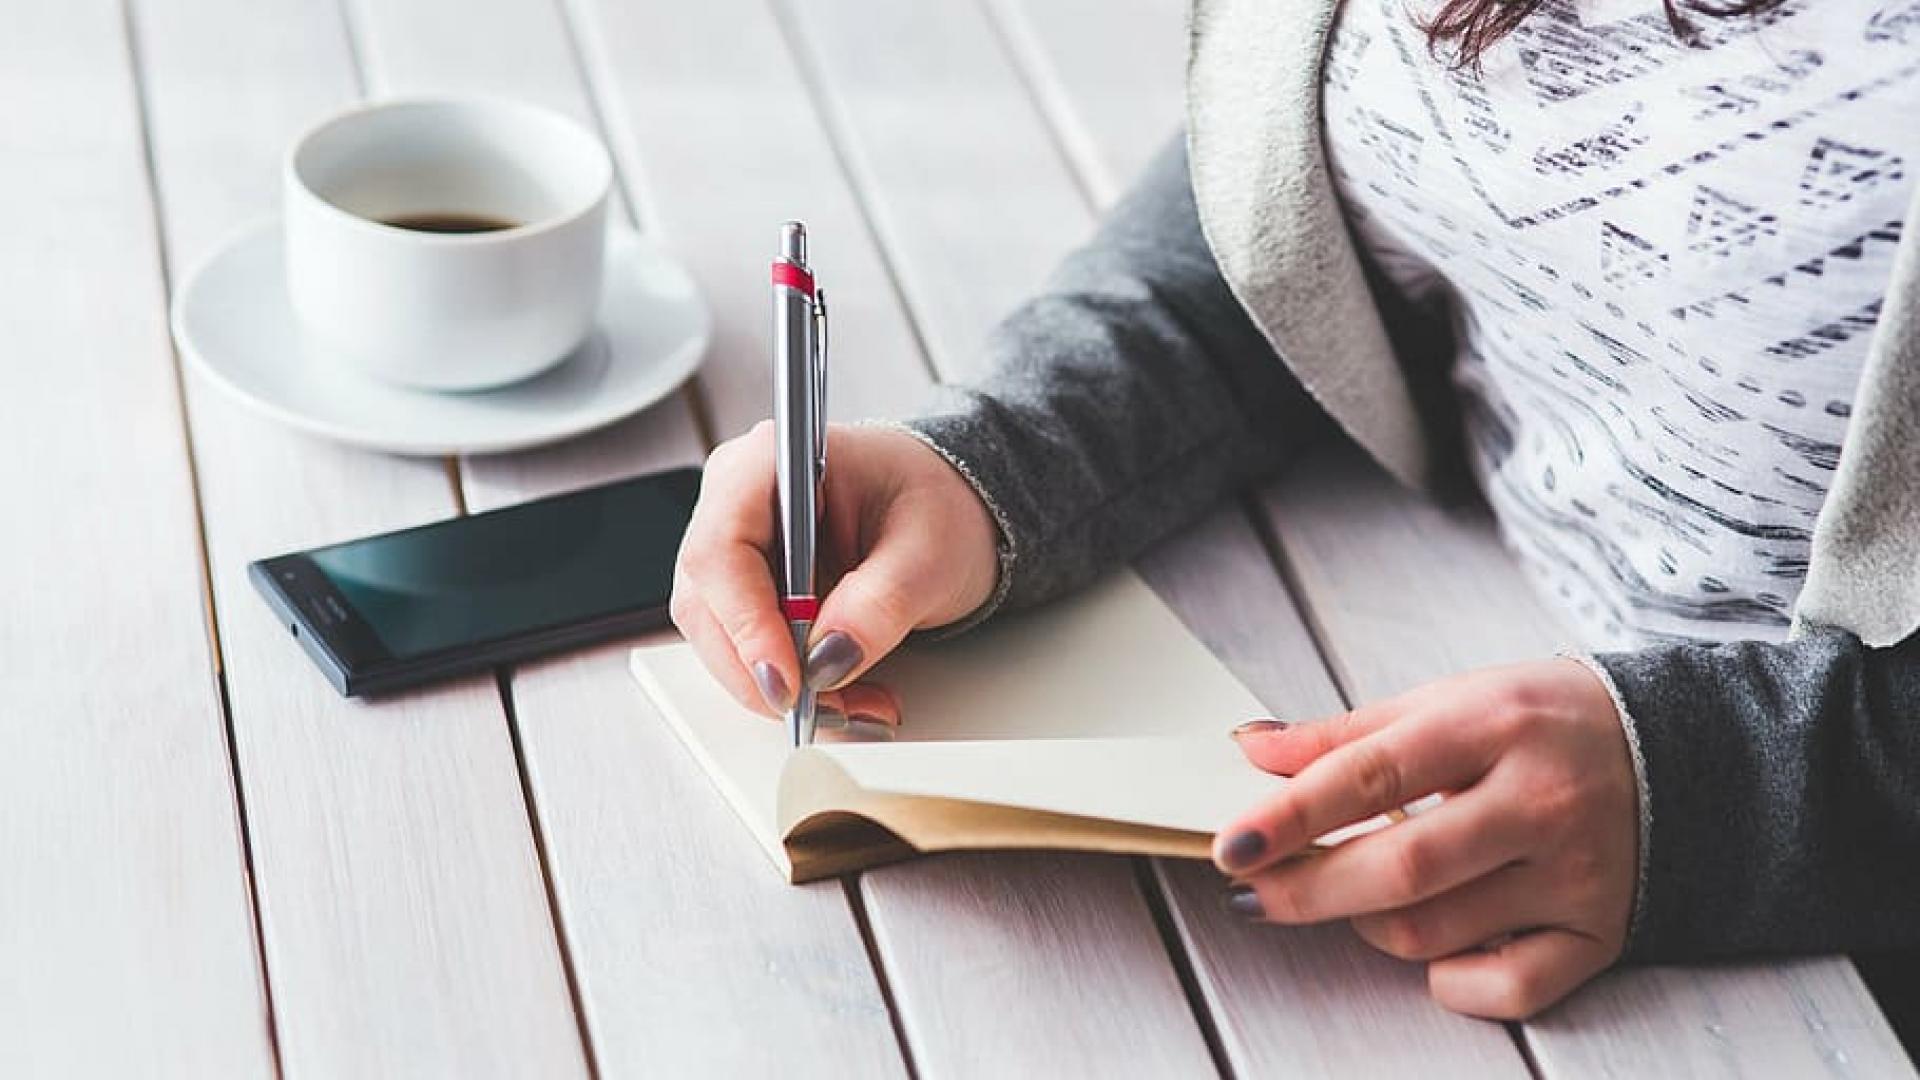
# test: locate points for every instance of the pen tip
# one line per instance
(793, 242)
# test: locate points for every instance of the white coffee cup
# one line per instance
(446, 310)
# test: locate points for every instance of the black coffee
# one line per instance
(449, 223)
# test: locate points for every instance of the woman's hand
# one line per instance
(1516, 887)
(906, 544)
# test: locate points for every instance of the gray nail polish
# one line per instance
(866, 731)
(1243, 901)
(1243, 849)
(773, 686)
(1261, 727)
(831, 660)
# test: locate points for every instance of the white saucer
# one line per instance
(235, 324)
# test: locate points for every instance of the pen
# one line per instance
(800, 429)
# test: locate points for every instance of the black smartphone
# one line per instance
(427, 603)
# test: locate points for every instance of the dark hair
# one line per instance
(1471, 27)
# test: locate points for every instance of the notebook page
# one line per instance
(1109, 662)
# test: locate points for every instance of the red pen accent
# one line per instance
(800, 608)
(785, 273)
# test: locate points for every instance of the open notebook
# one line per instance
(1094, 724)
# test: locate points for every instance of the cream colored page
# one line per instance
(1194, 782)
(1110, 662)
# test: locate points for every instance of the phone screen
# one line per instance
(453, 586)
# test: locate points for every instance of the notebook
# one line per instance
(1097, 723)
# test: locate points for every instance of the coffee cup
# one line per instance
(446, 243)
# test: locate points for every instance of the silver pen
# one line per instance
(800, 431)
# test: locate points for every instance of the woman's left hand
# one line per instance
(1516, 888)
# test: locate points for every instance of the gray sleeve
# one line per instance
(1123, 401)
(1782, 787)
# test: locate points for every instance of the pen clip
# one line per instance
(820, 380)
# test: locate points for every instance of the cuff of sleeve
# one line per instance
(1642, 797)
(1008, 546)
(1726, 870)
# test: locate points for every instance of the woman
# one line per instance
(1647, 278)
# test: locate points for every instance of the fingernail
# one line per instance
(1243, 901)
(773, 686)
(862, 730)
(1242, 849)
(831, 660)
(1261, 727)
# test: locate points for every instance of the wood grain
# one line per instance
(1788, 1018)
(1030, 965)
(1110, 76)
(1403, 591)
(677, 932)
(1317, 1001)
(967, 196)
(125, 923)
(719, 140)
(405, 919)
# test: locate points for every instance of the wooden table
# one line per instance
(217, 867)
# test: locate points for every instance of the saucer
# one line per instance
(234, 323)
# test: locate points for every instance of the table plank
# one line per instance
(125, 920)
(1110, 76)
(713, 125)
(1403, 591)
(914, 123)
(677, 932)
(956, 171)
(1810, 1017)
(1317, 1001)
(1387, 578)
(1030, 965)
(403, 910)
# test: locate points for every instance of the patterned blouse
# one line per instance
(1662, 261)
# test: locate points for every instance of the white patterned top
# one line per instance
(1662, 263)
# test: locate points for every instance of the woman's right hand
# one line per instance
(906, 545)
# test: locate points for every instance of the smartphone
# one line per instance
(409, 607)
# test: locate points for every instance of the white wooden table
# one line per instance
(215, 866)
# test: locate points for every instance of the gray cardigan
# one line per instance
(1781, 808)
